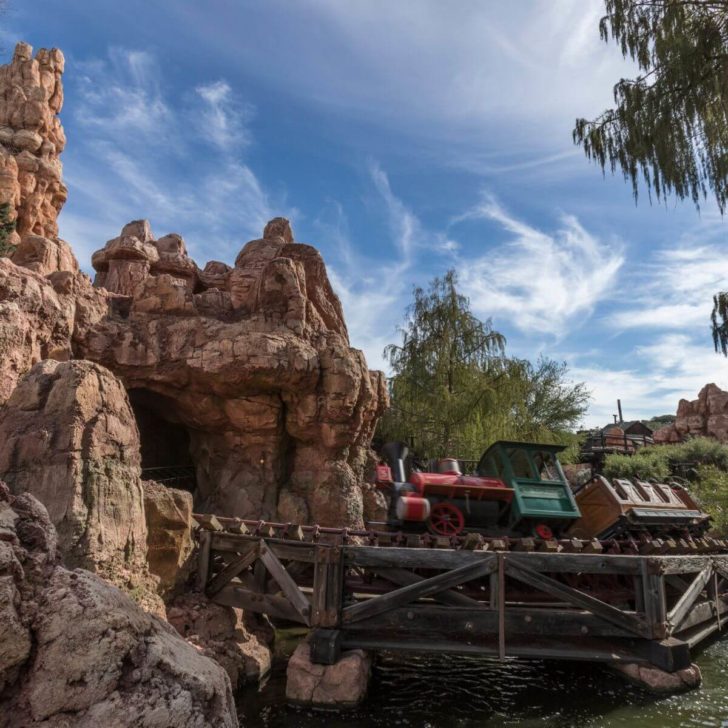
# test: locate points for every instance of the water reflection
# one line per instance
(464, 692)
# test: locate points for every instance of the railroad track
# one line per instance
(636, 544)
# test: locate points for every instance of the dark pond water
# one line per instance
(463, 692)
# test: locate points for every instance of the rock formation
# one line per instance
(31, 140)
(237, 642)
(245, 371)
(74, 650)
(253, 362)
(706, 416)
(68, 436)
(168, 514)
(341, 685)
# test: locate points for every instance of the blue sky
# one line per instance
(401, 139)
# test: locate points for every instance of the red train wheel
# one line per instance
(446, 519)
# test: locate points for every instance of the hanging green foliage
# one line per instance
(454, 391)
(670, 124)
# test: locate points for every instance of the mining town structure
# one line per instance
(646, 602)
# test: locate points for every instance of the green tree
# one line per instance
(669, 126)
(7, 226)
(442, 369)
(454, 391)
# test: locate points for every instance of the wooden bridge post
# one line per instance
(654, 599)
(203, 560)
(328, 585)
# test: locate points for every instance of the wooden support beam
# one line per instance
(405, 578)
(446, 622)
(425, 588)
(270, 604)
(548, 585)
(577, 563)
(208, 522)
(325, 646)
(701, 613)
(284, 580)
(235, 567)
(501, 607)
(687, 599)
(546, 649)
(203, 560)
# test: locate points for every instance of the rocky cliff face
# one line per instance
(253, 361)
(244, 371)
(706, 416)
(68, 436)
(31, 140)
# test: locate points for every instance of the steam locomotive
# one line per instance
(519, 489)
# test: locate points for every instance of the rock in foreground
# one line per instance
(75, 650)
(342, 685)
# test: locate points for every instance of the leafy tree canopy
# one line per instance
(670, 124)
(454, 391)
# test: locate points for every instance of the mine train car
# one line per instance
(611, 509)
(519, 489)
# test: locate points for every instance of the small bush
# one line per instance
(711, 490)
(650, 462)
(700, 450)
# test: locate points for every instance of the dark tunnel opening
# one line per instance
(165, 444)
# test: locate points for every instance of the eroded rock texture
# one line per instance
(239, 642)
(68, 436)
(74, 650)
(253, 362)
(705, 416)
(168, 513)
(31, 140)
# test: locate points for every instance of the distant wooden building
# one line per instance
(619, 437)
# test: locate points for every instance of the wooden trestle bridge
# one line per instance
(648, 601)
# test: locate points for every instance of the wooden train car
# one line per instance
(611, 509)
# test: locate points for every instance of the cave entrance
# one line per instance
(165, 444)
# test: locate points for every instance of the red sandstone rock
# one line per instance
(36, 323)
(342, 685)
(658, 681)
(31, 140)
(706, 416)
(168, 515)
(253, 361)
(258, 368)
(68, 436)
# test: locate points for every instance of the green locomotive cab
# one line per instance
(543, 501)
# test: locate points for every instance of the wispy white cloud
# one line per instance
(661, 372)
(373, 292)
(539, 281)
(224, 118)
(129, 100)
(404, 225)
(674, 289)
(140, 159)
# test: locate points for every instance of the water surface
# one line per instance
(464, 692)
